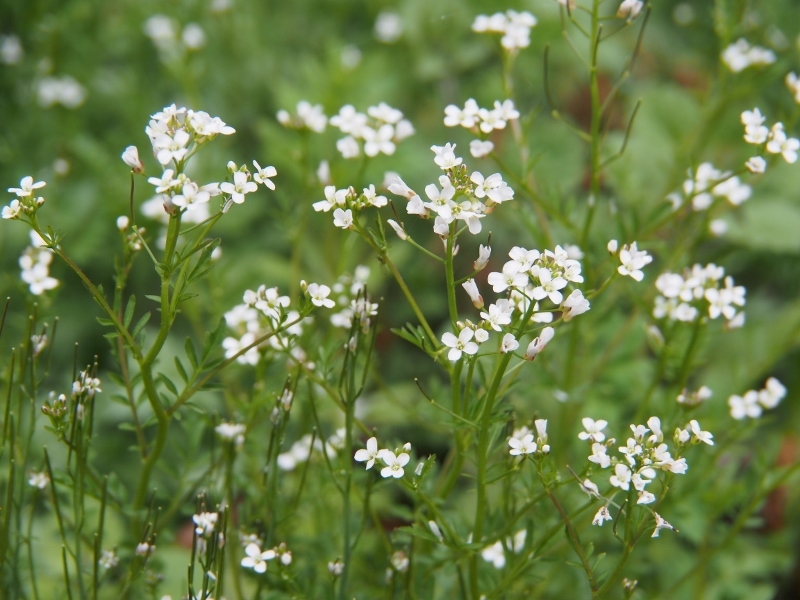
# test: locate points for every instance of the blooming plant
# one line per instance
(487, 352)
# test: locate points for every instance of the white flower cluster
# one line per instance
(476, 119)
(495, 553)
(35, 266)
(63, 90)
(740, 55)
(515, 27)
(641, 457)
(379, 130)
(774, 140)
(256, 559)
(707, 183)
(394, 461)
(85, 385)
(232, 432)
(521, 441)
(345, 201)
(352, 300)
(480, 195)
(175, 132)
(302, 449)
(530, 276)
(26, 202)
(262, 312)
(308, 116)
(694, 398)
(753, 402)
(698, 290)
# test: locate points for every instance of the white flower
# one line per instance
(26, 187)
(131, 158)
(756, 165)
(479, 148)
(13, 210)
(599, 456)
(108, 559)
(239, 187)
(621, 477)
(574, 305)
(772, 394)
(538, 344)
(541, 435)
(645, 497)
(262, 176)
(319, 295)
(509, 343)
(495, 555)
(256, 559)
(231, 431)
(633, 260)
(378, 141)
(461, 344)
(593, 430)
(699, 435)
(205, 523)
(526, 445)
(370, 454)
(499, 314)
(661, 523)
(343, 218)
(445, 156)
(601, 516)
(394, 464)
(629, 9)
(484, 252)
(38, 480)
(474, 294)
(590, 488)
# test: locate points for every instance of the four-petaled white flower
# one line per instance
(394, 464)
(256, 559)
(343, 218)
(319, 295)
(370, 454)
(26, 187)
(593, 430)
(239, 187)
(262, 176)
(461, 344)
(633, 260)
(526, 445)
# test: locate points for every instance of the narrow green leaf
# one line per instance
(129, 311)
(181, 370)
(190, 352)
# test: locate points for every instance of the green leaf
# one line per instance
(129, 311)
(181, 370)
(168, 384)
(140, 324)
(153, 298)
(105, 322)
(190, 352)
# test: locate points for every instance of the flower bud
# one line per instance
(122, 223)
(131, 158)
